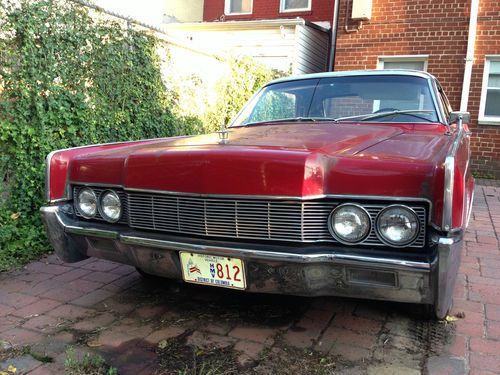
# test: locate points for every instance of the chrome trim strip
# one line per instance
(48, 160)
(232, 251)
(449, 178)
(98, 185)
(92, 232)
(275, 256)
(354, 73)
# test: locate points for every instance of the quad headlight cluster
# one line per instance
(395, 225)
(108, 204)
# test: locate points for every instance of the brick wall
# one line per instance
(486, 139)
(321, 10)
(437, 28)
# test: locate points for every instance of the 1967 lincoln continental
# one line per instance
(348, 184)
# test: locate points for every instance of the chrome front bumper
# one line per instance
(314, 270)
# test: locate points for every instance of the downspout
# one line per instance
(469, 58)
(333, 44)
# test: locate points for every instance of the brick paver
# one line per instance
(50, 305)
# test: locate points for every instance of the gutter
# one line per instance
(469, 58)
(333, 42)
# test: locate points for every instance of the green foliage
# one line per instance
(233, 91)
(87, 365)
(69, 78)
(66, 79)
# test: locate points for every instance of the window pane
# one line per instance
(274, 106)
(415, 65)
(296, 4)
(492, 103)
(494, 80)
(240, 6)
(494, 67)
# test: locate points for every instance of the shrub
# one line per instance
(66, 79)
(245, 77)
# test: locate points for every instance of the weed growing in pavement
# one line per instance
(89, 364)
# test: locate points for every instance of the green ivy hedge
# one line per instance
(66, 79)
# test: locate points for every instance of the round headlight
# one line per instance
(397, 225)
(111, 206)
(87, 203)
(349, 223)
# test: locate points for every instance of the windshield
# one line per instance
(376, 98)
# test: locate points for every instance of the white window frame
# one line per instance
(399, 58)
(227, 9)
(283, 10)
(403, 58)
(487, 120)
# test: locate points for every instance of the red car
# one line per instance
(348, 184)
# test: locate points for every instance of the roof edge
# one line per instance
(353, 73)
(239, 25)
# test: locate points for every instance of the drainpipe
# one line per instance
(333, 44)
(469, 58)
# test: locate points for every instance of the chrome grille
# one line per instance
(260, 219)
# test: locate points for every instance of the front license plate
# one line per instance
(213, 270)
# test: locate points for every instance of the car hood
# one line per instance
(280, 160)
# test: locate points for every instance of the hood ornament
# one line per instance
(223, 134)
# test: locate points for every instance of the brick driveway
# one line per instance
(106, 308)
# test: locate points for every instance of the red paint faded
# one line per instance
(60, 160)
(321, 10)
(302, 160)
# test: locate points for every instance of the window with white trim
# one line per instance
(238, 7)
(403, 62)
(418, 62)
(295, 5)
(489, 108)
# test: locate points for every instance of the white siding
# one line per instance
(311, 50)
(296, 48)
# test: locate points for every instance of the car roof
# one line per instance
(355, 73)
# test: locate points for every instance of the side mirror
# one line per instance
(456, 115)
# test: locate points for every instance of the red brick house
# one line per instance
(310, 10)
(458, 41)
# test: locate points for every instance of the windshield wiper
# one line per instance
(371, 116)
(291, 119)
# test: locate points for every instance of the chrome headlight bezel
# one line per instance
(102, 211)
(339, 238)
(78, 203)
(390, 242)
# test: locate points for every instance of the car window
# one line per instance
(279, 101)
(337, 97)
(274, 105)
